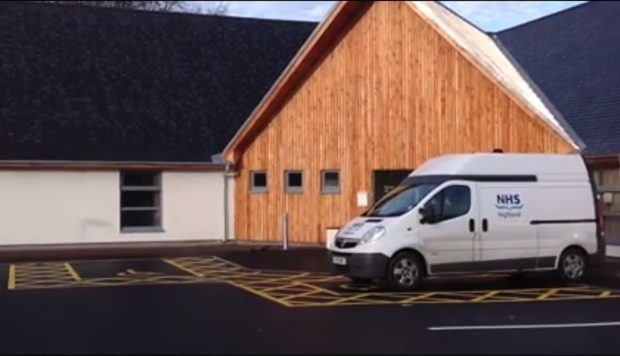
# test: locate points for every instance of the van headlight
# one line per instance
(372, 235)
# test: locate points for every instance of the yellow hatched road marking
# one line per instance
(293, 296)
(276, 280)
(418, 297)
(348, 299)
(284, 286)
(312, 286)
(260, 294)
(485, 296)
(548, 294)
(183, 268)
(72, 272)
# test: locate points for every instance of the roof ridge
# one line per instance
(463, 18)
(93, 8)
(546, 17)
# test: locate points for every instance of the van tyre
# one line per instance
(405, 271)
(572, 265)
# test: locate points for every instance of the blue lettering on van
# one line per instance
(508, 205)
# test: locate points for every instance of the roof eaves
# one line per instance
(111, 165)
(518, 95)
(283, 77)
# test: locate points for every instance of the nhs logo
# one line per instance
(509, 205)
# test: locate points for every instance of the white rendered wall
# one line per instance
(46, 207)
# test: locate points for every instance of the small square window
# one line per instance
(330, 181)
(293, 181)
(258, 182)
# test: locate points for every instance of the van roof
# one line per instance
(504, 164)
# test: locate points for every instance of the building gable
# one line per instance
(476, 46)
(391, 93)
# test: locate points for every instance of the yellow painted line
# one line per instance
(183, 268)
(343, 300)
(323, 290)
(230, 263)
(11, 284)
(548, 294)
(485, 296)
(500, 297)
(276, 280)
(416, 298)
(463, 294)
(280, 287)
(299, 295)
(605, 294)
(72, 272)
(260, 294)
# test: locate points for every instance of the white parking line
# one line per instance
(531, 326)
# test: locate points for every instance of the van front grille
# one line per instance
(346, 243)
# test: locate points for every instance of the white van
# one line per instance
(472, 213)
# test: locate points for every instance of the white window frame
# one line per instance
(253, 188)
(329, 189)
(157, 210)
(293, 190)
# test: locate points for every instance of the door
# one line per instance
(507, 240)
(386, 180)
(449, 240)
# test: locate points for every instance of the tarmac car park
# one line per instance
(244, 300)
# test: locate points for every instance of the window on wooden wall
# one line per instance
(293, 182)
(330, 181)
(140, 201)
(258, 182)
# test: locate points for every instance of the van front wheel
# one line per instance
(405, 271)
(572, 265)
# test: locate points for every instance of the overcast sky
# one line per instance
(489, 15)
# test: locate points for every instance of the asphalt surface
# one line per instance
(219, 318)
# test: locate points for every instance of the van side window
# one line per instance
(451, 202)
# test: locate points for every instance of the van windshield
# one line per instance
(400, 200)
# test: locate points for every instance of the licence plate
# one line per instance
(339, 260)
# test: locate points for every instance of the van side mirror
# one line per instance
(429, 215)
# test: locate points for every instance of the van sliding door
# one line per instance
(506, 240)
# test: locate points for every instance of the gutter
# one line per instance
(228, 173)
(227, 170)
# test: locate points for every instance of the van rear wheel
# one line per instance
(405, 271)
(572, 265)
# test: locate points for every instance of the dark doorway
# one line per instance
(386, 180)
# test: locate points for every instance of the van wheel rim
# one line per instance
(405, 272)
(573, 266)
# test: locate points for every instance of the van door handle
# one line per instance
(485, 225)
(472, 225)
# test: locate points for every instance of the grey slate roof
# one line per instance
(86, 83)
(574, 57)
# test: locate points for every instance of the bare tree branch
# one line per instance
(220, 8)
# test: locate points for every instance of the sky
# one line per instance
(488, 15)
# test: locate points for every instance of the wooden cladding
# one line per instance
(390, 95)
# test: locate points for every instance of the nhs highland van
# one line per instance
(473, 213)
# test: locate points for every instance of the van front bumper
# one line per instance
(361, 265)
